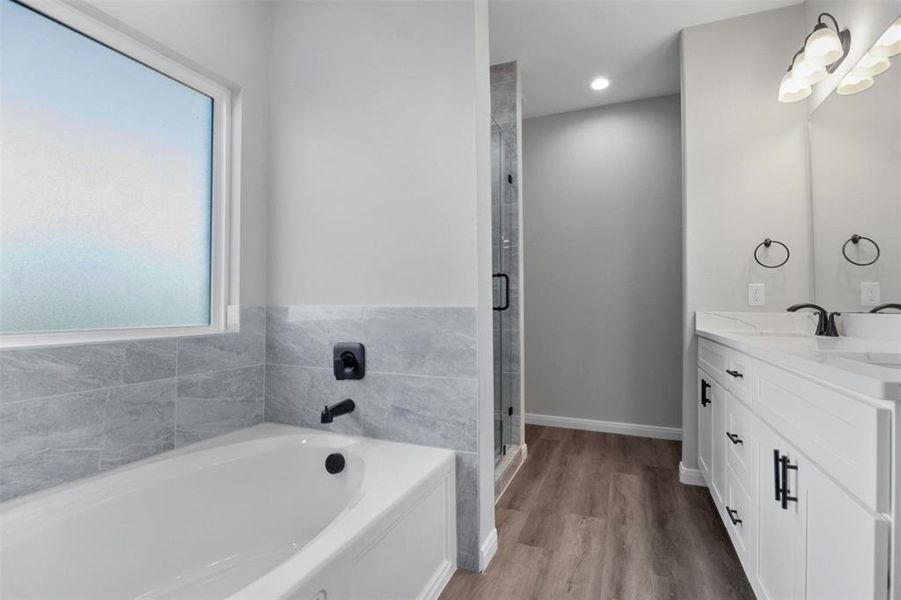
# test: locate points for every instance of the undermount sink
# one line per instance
(878, 359)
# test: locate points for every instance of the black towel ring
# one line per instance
(855, 239)
(766, 244)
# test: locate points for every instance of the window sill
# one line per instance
(78, 338)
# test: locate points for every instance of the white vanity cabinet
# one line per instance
(801, 475)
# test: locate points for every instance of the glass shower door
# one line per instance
(500, 289)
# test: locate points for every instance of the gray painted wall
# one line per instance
(602, 214)
(381, 160)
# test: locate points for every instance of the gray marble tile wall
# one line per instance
(74, 411)
(421, 383)
(506, 234)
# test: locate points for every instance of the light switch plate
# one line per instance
(756, 294)
(870, 294)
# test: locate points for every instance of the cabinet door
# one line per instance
(781, 548)
(847, 545)
(719, 400)
(705, 421)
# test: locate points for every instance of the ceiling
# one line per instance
(561, 45)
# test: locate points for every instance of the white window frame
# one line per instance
(225, 177)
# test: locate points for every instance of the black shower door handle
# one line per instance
(506, 279)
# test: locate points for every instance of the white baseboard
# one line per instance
(649, 431)
(691, 476)
(487, 550)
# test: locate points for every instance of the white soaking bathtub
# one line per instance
(253, 514)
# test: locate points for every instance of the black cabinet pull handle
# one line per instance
(784, 491)
(733, 437)
(506, 303)
(733, 516)
(776, 485)
(734, 373)
(705, 400)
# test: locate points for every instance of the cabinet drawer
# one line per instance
(848, 438)
(739, 377)
(728, 367)
(739, 442)
(740, 519)
(713, 359)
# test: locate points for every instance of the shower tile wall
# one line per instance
(74, 411)
(421, 383)
(504, 89)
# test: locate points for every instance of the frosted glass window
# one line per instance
(106, 186)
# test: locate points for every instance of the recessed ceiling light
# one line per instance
(601, 83)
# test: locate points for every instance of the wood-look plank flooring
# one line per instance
(597, 515)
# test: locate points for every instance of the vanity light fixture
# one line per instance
(807, 72)
(854, 82)
(791, 89)
(889, 43)
(600, 83)
(872, 63)
(823, 51)
(826, 46)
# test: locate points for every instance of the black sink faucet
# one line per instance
(336, 410)
(883, 307)
(825, 320)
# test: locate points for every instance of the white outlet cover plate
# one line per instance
(870, 294)
(756, 294)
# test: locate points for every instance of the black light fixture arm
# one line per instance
(838, 29)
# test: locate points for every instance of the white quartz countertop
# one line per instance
(866, 365)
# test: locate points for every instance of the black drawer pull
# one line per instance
(733, 516)
(733, 437)
(734, 373)
(705, 400)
